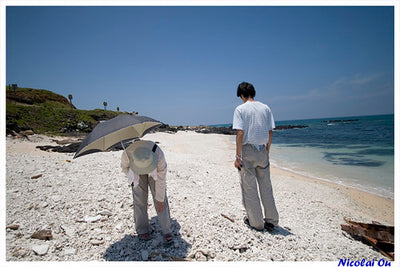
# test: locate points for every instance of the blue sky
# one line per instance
(182, 65)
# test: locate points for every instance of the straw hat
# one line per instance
(143, 160)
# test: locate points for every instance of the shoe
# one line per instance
(246, 221)
(144, 237)
(269, 226)
(168, 238)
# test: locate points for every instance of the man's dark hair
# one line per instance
(246, 89)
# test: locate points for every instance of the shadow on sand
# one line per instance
(131, 248)
(278, 230)
(281, 231)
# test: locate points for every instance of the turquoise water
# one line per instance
(353, 151)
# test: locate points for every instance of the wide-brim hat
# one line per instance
(143, 160)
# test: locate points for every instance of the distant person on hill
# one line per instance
(254, 122)
(144, 164)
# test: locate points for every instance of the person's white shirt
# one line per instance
(256, 120)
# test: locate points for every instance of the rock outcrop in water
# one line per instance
(287, 127)
(348, 120)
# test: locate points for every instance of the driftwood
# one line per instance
(36, 176)
(380, 236)
(226, 217)
(13, 227)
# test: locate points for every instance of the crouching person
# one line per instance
(144, 164)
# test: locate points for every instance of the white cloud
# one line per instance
(356, 94)
(364, 79)
(342, 87)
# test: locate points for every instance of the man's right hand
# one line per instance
(238, 164)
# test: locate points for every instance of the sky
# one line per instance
(182, 64)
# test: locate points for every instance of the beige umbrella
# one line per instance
(117, 130)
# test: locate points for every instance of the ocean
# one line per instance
(352, 151)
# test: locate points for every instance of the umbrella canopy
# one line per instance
(121, 128)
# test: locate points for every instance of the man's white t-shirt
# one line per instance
(256, 120)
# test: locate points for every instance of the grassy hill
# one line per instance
(46, 112)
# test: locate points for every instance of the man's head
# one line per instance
(246, 90)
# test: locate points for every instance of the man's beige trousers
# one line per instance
(254, 178)
(140, 196)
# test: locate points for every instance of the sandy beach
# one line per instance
(86, 203)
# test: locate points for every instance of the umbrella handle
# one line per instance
(124, 149)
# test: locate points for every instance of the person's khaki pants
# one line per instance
(254, 177)
(140, 197)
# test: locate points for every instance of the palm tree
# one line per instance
(105, 105)
(70, 98)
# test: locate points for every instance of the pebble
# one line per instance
(69, 251)
(105, 213)
(96, 242)
(40, 249)
(199, 256)
(144, 254)
(155, 242)
(93, 219)
(42, 235)
(119, 226)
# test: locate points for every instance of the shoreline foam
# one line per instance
(378, 192)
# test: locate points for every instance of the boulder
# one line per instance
(42, 235)
(27, 132)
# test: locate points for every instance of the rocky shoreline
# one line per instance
(70, 145)
(218, 130)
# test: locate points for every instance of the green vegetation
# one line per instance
(45, 112)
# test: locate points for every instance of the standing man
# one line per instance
(254, 122)
(144, 164)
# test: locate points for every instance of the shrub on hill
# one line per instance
(46, 112)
